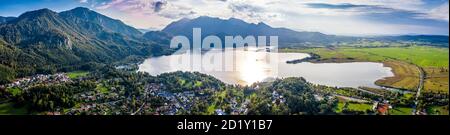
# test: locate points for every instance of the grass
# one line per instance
(14, 91)
(418, 55)
(438, 110)
(350, 106)
(340, 106)
(77, 74)
(9, 109)
(102, 89)
(342, 92)
(359, 107)
(437, 80)
(400, 111)
(406, 76)
(408, 96)
(423, 56)
(211, 109)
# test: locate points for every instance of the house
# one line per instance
(220, 112)
(382, 108)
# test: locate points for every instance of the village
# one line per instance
(109, 99)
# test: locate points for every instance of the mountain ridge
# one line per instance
(113, 25)
(234, 27)
(287, 37)
(44, 41)
(6, 19)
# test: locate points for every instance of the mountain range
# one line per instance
(44, 41)
(287, 37)
(236, 27)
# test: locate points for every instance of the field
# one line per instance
(351, 106)
(340, 106)
(406, 76)
(438, 110)
(9, 109)
(402, 59)
(400, 111)
(14, 91)
(359, 107)
(418, 55)
(436, 79)
(77, 74)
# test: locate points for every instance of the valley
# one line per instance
(80, 62)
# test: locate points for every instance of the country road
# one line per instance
(419, 88)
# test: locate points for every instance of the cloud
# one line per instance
(243, 7)
(334, 6)
(128, 5)
(294, 14)
(158, 5)
(177, 15)
(395, 4)
(83, 1)
(439, 13)
(250, 12)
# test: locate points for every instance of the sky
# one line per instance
(339, 17)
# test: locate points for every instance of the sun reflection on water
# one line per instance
(254, 67)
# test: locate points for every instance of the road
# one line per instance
(140, 108)
(146, 94)
(419, 88)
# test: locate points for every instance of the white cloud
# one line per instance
(83, 1)
(439, 13)
(294, 14)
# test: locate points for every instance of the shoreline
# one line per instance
(317, 60)
(384, 83)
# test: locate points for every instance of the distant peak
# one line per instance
(207, 17)
(81, 12)
(81, 9)
(44, 11)
(234, 19)
(263, 24)
(184, 19)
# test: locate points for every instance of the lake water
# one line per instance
(245, 67)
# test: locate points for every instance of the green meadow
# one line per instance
(9, 109)
(423, 56)
(77, 74)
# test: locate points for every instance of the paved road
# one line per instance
(419, 88)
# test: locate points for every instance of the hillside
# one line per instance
(44, 41)
(5, 19)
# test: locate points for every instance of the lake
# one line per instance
(244, 67)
